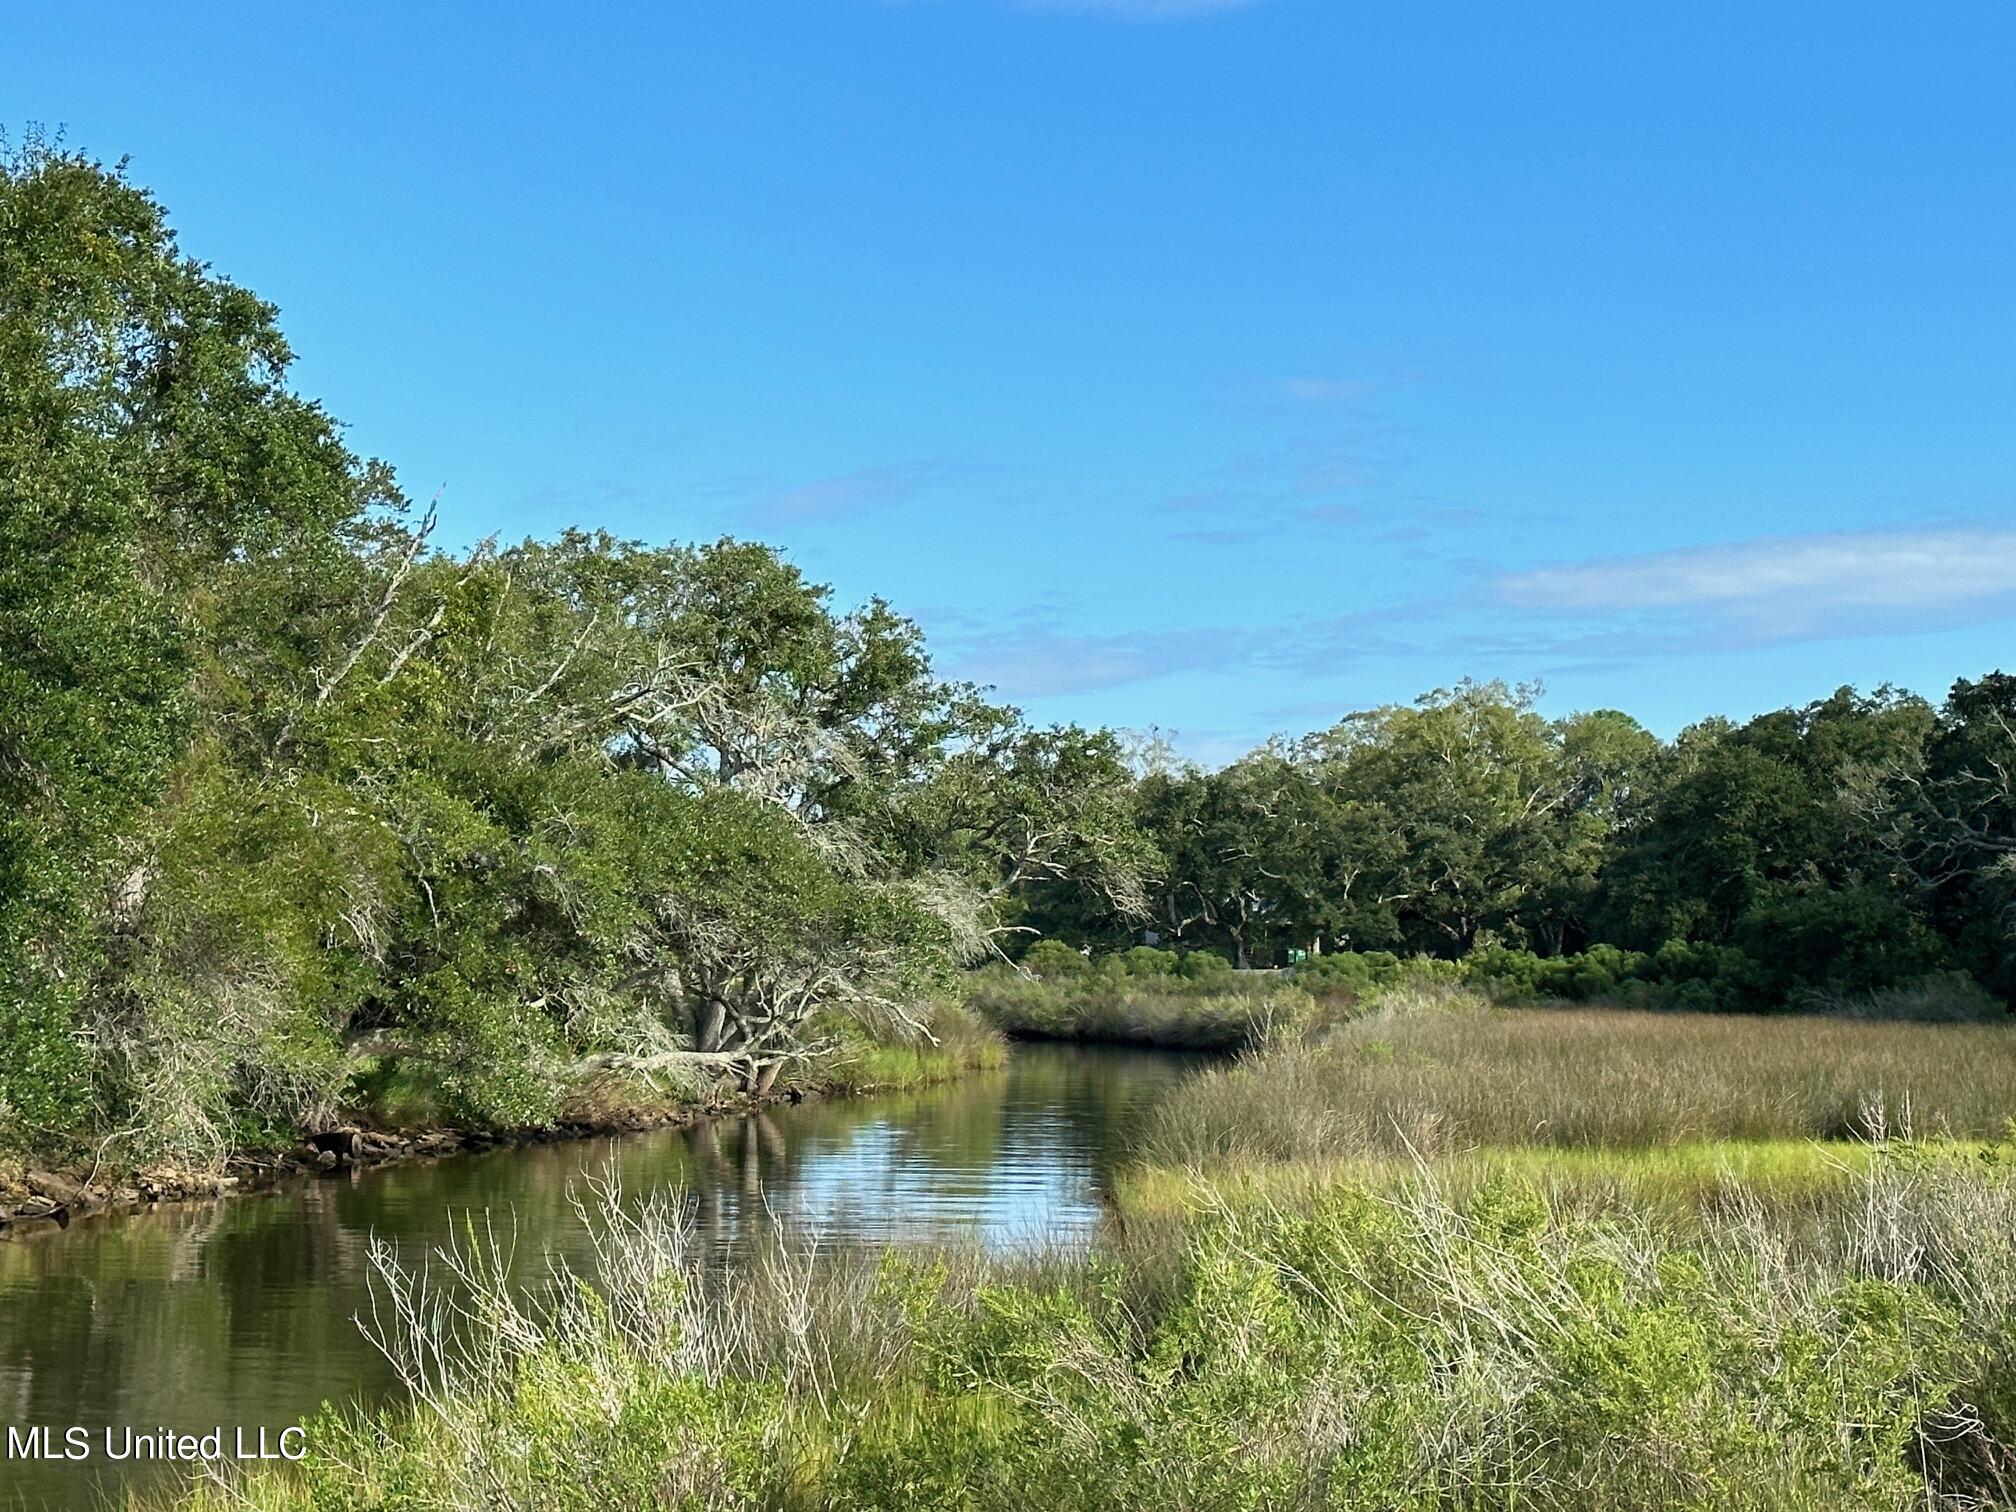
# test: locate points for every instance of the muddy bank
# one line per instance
(38, 1197)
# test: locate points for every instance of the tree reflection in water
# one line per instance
(242, 1312)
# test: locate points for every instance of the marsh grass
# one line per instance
(1442, 1070)
(1405, 1349)
(960, 1042)
(1681, 1186)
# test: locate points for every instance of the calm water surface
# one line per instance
(242, 1312)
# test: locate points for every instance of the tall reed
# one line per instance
(1437, 1070)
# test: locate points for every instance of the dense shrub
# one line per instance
(1178, 1002)
(1730, 979)
(1144, 962)
(1841, 939)
(1053, 958)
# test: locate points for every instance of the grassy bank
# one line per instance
(849, 1061)
(1389, 1350)
(846, 1058)
(1674, 1184)
(858, 1063)
(1437, 1069)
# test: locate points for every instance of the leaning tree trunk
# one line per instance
(707, 1029)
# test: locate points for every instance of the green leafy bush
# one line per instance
(1368, 973)
(1053, 958)
(1171, 1001)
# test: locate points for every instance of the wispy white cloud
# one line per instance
(1767, 591)
(1838, 570)
(1585, 616)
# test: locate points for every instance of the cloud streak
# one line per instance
(1844, 570)
(1584, 616)
(1771, 590)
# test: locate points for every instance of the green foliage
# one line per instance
(1400, 1351)
(147, 440)
(1734, 811)
(1145, 996)
(1053, 958)
(1367, 974)
(1852, 938)
(1204, 966)
(1145, 962)
(1423, 828)
(1844, 849)
(1836, 951)
(283, 790)
(1952, 826)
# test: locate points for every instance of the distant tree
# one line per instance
(1015, 812)
(1486, 808)
(1261, 858)
(1734, 811)
(1944, 817)
(1606, 761)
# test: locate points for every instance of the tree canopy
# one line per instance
(285, 787)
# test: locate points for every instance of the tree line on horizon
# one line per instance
(288, 792)
(1841, 848)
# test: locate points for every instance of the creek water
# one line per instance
(243, 1314)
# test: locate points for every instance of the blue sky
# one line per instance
(1214, 365)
